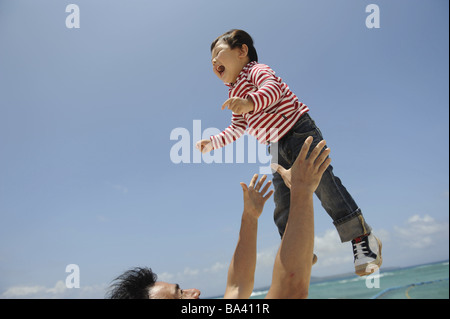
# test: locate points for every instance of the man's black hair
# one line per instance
(133, 284)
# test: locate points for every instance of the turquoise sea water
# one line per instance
(430, 281)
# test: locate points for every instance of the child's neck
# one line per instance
(243, 64)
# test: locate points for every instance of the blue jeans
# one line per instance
(334, 197)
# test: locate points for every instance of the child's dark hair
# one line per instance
(235, 39)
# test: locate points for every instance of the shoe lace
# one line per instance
(359, 249)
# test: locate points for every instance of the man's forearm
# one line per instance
(292, 268)
(242, 267)
(299, 236)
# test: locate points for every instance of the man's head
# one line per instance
(141, 283)
(230, 52)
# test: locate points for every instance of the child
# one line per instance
(263, 104)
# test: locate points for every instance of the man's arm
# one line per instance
(241, 272)
(292, 268)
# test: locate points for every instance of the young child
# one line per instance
(263, 105)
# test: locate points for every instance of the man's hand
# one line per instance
(254, 198)
(241, 273)
(284, 173)
(204, 146)
(306, 173)
(238, 105)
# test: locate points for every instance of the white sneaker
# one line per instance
(367, 254)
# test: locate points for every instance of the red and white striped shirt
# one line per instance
(276, 110)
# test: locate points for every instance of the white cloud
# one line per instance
(422, 232)
(330, 251)
(165, 276)
(23, 291)
(217, 267)
(58, 291)
(189, 273)
(266, 258)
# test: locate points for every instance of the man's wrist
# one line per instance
(301, 191)
(250, 216)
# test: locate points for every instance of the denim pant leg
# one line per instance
(334, 197)
(339, 204)
(282, 194)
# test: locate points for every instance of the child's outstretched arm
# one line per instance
(241, 272)
(229, 135)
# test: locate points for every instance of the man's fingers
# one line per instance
(323, 156)
(274, 167)
(253, 181)
(316, 151)
(324, 166)
(266, 187)
(268, 195)
(305, 149)
(244, 187)
(283, 173)
(287, 183)
(261, 182)
(278, 168)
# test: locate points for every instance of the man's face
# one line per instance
(164, 290)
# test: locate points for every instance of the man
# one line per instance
(292, 267)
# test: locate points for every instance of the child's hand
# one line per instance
(204, 146)
(238, 105)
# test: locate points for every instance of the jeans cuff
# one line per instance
(352, 226)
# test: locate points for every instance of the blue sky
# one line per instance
(86, 116)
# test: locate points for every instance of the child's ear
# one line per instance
(243, 51)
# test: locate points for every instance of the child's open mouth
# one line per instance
(220, 69)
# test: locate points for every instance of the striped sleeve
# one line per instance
(269, 90)
(231, 133)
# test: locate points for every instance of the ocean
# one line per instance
(430, 281)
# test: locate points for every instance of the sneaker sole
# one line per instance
(370, 268)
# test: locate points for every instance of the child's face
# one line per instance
(228, 63)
